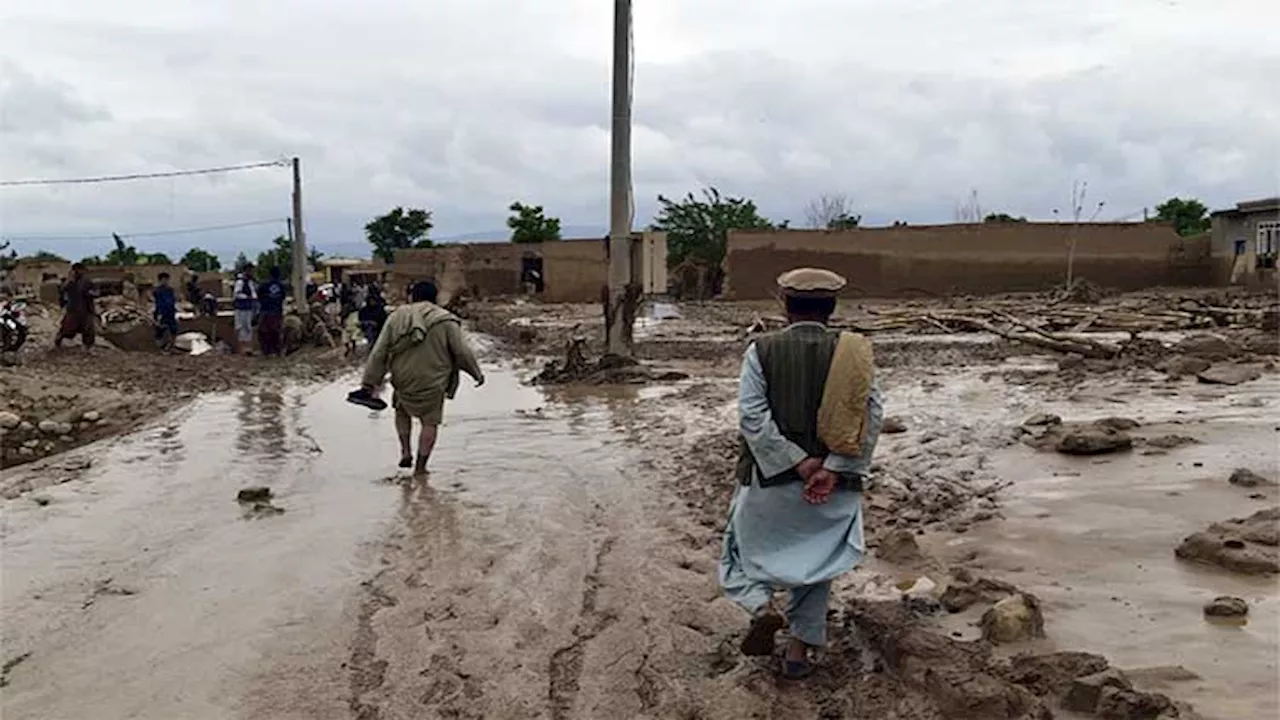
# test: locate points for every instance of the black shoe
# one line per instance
(366, 398)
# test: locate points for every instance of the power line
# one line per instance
(145, 176)
(154, 233)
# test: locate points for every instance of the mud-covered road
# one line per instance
(533, 576)
(560, 561)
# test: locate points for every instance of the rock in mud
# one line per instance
(9, 421)
(1093, 440)
(1086, 692)
(1052, 674)
(1117, 423)
(1017, 617)
(254, 494)
(1207, 347)
(1184, 365)
(48, 427)
(959, 678)
(1042, 420)
(1118, 703)
(1245, 545)
(1244, 477)
(893, 426)
(1170, 442)
(91, 416)
(1229, 374)
(899, 546)
(1226, 606)
(961, 595)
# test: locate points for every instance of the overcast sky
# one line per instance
(462, 106)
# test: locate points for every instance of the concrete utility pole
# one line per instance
(616, 316)
(299, 278)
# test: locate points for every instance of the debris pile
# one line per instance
(609, 369)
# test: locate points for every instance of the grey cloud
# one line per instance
(463, 107)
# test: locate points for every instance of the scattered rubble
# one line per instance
(1245, 545)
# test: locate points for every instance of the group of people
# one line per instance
(810, 413)
(260, 303)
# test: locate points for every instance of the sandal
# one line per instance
(796, 669)
(367, 399)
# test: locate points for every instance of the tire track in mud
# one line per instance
(565, 673)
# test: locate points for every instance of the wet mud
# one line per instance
(560, 559)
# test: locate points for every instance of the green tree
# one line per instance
(92, 260)
(154, 259)
(399, 229)
(127, 255)
(529, 225)
(1189, 217)
(281, 255)
(41, 256)
(241, 261)
(199, 260)
(698, 227)
(1003, 218)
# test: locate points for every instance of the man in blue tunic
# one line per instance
(796, 521)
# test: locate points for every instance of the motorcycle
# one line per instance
(13, 325)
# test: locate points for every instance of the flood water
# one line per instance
(144, 590)
(1094, 537)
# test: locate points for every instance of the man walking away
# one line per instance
(810, 416)
(271, 320)
(166, 312)
(423, 348)
(373, 315)
(244, 298)
(78, 317)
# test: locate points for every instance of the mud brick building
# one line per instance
(573, 270)
(978, 258)
(1246, 242)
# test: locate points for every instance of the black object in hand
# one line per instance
(364, 397)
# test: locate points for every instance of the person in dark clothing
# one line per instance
(193, 292)
(271, 296)
(373, 315)
(79, 317)
(166, 311)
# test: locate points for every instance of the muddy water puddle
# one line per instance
(142, 588)
(1094, 538)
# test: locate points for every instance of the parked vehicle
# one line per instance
(13, 325)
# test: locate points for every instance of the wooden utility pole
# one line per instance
(299, 278)
(617, 317)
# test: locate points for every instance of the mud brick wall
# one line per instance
(573, 270)
(967, 259)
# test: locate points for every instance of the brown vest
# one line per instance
(795, 363)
